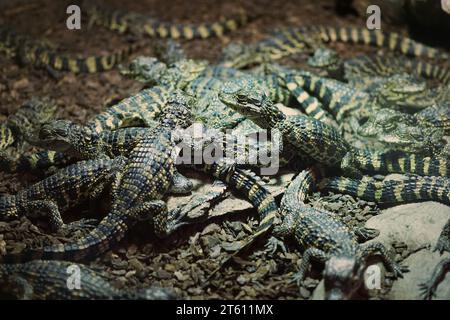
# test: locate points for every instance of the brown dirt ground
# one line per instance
(182, 261)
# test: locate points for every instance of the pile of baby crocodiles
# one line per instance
(395, 104)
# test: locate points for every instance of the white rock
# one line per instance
(421, 265)
(417, 224)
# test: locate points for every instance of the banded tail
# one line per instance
(401, 162)
(310, 104)
(392, 192)
(107, 234)
(339, 99)
(122, 22)
(41, 56)
(36, 162)
(378, 38)
(380, 65)
(250, 185)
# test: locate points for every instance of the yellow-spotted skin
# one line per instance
(123, 22)
(27, 118)
(391, 192)
(61, 191)
(40, 55)
(327, 239)
(136, 192)
(376, 65)
(138, 110)
(315, 93)
(400, 162)
(253, 189)
(379, 38)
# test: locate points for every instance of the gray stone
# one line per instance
(417, 224)
(421, 265)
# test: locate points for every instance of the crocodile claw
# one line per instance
(273, 244)
(426, 291)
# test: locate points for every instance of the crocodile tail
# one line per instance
(401, 162)
(251, 186)
(41, 56)
(392, 191)
(121, 21)
(35, 162)
(310, 104)
(106, 235)
(429, 70)
(305, 183)
(160, 29)
(379, 38)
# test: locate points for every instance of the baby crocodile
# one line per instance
(63, 190)
(137, 190)
(392, 192)
(139, 24)
(328, 240)
(19, 126)
(138, 110)
(402, 131)
(294, 40)
(320, 141)
(39, 54)
(53, 280)
(367, 67)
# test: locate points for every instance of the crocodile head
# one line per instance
(399, 131)
(402, 90)
(238, 55)
(66, 136)
(182, 72)
(327, 60)
(31, 115)
(343, 275)
(148, 70)
(250, 99)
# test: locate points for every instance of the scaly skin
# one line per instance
(253, 189)
(296, 40)
(306, 135)
(435, 117)
(392, 192)
(48, 280)
(367, 67)
(322, 142)
(82, 142)
(283, 43)
(378, 38)
(61, 191)
(137, 110)
(342, 100)
(38, 54)
(401, 131)
(137, 191)
(138, 24)
(28, 118)
(328, 240)
(197, 78)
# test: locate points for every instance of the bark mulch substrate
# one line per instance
(185, 259)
